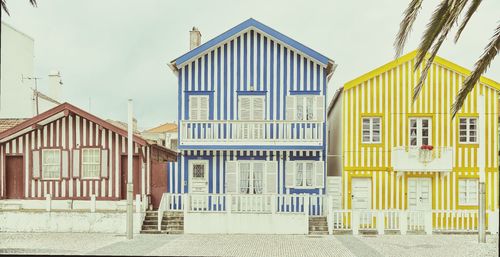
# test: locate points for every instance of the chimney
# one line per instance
(194, 38)
(55, 85)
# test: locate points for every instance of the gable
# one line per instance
(405, 59)
(240, 30)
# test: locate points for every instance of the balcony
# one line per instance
(439, 159)
(256, 133)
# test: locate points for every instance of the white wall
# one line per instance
(236, 223)
(33, 221)
(17, 60)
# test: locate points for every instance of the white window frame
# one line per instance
(471, 187)
(198, 108)
(468, 130)
(95, 163)
(371, 129)
(419, 130)
(56, 164)
(304, 164)
(251, 186)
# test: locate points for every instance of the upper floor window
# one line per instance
(198, 107)
(51, 163)
(91, 162)
(173, 144)
(468, 130)
(305, 107)
(420, 131)
(467, 191)
(372, 130)
(251, 107)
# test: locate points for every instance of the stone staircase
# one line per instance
(318, 225)
(171, 223)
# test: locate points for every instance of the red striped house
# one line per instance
(71, 154)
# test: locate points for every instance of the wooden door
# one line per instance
(14, 177)
(136, 179)
(419, 194)
(158, 182)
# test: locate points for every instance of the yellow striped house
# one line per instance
(381, 146)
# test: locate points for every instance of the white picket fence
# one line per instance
(380, 221)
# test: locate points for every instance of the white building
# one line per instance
(20, 95)
(165, 135)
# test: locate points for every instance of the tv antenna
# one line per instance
(35, 95)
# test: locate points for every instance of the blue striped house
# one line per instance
(251, 110)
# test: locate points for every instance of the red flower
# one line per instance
(427, 147)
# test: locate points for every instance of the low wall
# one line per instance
(245, 223)
(64, 221)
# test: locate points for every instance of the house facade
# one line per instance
(67, 159)
(165, 135)
(251, 112)
(399, 155)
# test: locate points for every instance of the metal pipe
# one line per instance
(130, 186)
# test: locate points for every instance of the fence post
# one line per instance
(306, 211)
(185, 203)
(273, 204)
(48, 200)
(137, 203)
(428, 222)
(493, 222)
(380, 222)
(403, 222)
(92, 203)
(355, 222)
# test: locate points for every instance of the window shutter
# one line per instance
(203, 109)
(290, 174)
(35, 159)
(76, 163)
(271, 177)
(104, 163)
(320, 107)
(245, 106)
(319, 171)
(65, 163)
(258, 108)
(231, 177)
(290, 107)
(193, 108)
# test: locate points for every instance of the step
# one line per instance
(318, 232)
(318, 228)
(149, 227)
(173, 232)
(173, 214)
(150, 232)
(150, 222)
(173, 227)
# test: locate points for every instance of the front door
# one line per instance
(361, 197)
(135, 176)
(198, 184)
(14, 177)
(158, 182)
(419, 194)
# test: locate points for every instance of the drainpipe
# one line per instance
(130, 186)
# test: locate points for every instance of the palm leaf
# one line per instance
(406, 24)
(4, 7)
(472, 9)
(490, 52)
(33, 2)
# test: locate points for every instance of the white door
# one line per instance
(198, 184)
(361, 194)
(420, 131)
(334, 190)
(419, 194)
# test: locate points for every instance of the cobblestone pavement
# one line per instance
(247, 245)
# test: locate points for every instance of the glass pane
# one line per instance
(473, 139)
(413, 141)
(299, 175)
(376, 139)
(425, 141)
(463, 139)
(425, 132)
(309, 174)
(425, 123)
(413, 123)
(366, 139)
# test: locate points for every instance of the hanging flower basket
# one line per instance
(425, 153)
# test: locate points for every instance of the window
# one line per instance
(198, 107)
(91, 162)
(468, 130)
(251, 108)
(372, 130)
(173, 144)
(468, 191)
(251, 177)
(51, 164)
(420, 131)
(199, 171)
(304, 174)
(305, 107)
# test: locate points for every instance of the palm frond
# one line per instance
(472, 9)
(33, 2)
(4, 7)
(406, 25)
(490, 52)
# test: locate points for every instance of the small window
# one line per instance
(371, 130)
(51, 163)
(198, 107)
(468, 192)
(304, 174)
(468, 130)
(173, 144)
(91, 163)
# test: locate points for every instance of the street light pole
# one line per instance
(130, 186)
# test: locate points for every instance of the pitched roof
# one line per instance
(260, 26)
(57, 112)
(167, 127)
(9, 123)
(409, 56)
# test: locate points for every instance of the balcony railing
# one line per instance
(415, 159)
(236, 132)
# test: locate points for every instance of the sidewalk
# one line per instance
(247, 245)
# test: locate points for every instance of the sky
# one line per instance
(113, 50)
